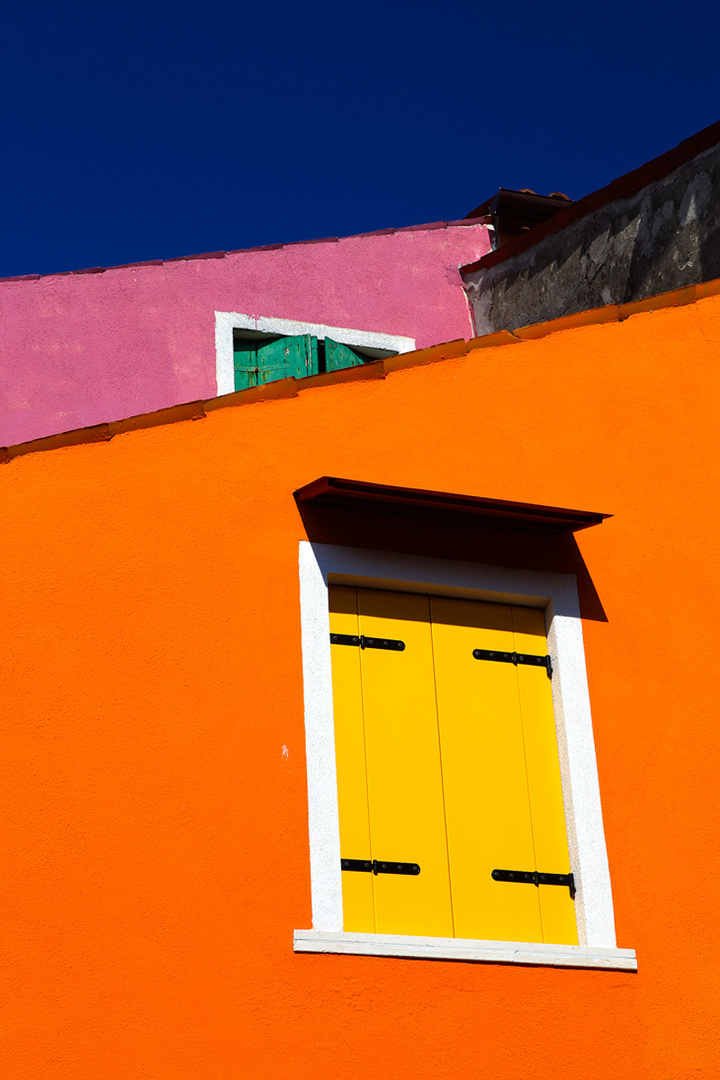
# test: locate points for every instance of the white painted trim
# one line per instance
(557, 595)
(487, 952)
(320, 745)
(375, 344)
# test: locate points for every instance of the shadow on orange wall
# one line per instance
(446, 538)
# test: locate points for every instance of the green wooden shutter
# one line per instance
(258, 362)
(339, 356)
(287, 358)
(245, 364)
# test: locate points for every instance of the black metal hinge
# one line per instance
(515, 658)
(532, 877)
(365, 866)
(367, 642)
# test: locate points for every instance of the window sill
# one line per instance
(488, 952)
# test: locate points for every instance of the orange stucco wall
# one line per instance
(155, 849)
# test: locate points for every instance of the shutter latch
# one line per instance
(365, 866)
(532, 877)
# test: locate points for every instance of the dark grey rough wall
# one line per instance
(664, 237)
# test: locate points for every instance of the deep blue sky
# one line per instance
(147, 130)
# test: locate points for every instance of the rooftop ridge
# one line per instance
(378, 369)
(430, 226)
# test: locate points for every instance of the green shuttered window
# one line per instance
(263, 360)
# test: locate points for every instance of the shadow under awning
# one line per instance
(414, 521)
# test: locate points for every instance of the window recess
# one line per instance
(251, 350)
(548, 594)
(257, 361)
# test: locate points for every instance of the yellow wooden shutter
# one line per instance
(486, 795)
(557, 907)
(449, 762)
(358, 909)
(407, 820)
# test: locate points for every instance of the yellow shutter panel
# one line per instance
(407, 820)
(358, 911)
(486, 794)
(449, 762)
(544, 783)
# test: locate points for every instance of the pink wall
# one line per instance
(83, 348)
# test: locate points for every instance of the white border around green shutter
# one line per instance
(227, 321)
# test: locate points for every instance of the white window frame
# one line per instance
(556, 594)
(374, 344)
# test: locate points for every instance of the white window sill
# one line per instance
(489, 952)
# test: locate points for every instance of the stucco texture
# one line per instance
(664, 236)
(153, 795)
(85, 348)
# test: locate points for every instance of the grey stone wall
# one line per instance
(665, 236)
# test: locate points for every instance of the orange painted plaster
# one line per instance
(154, 806)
